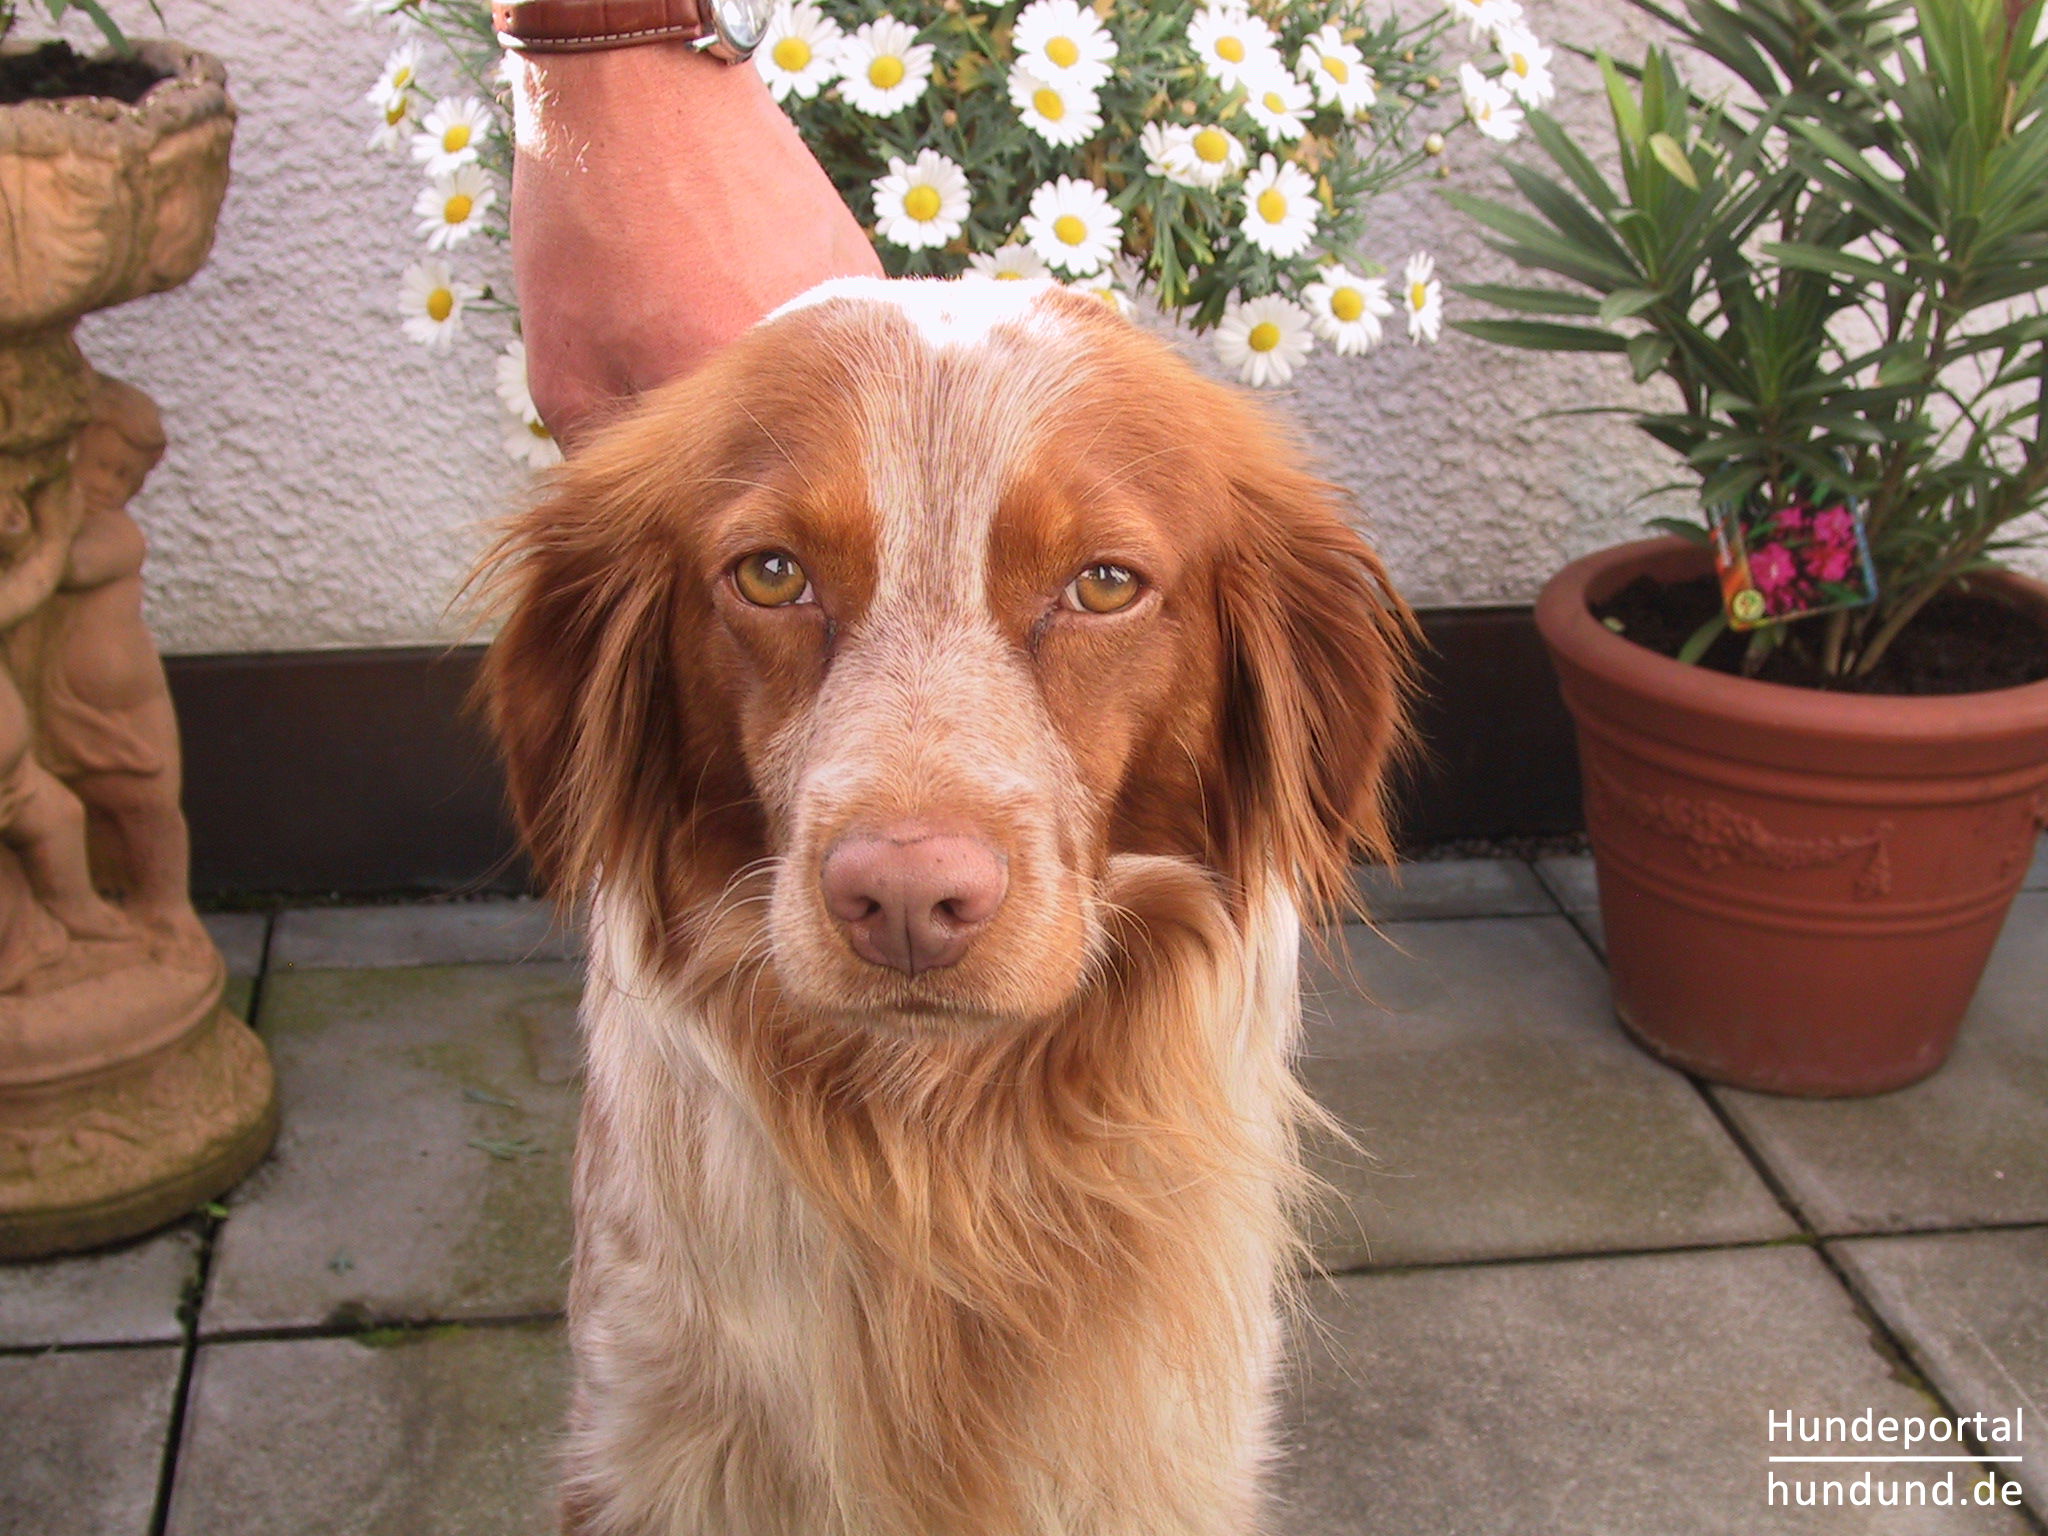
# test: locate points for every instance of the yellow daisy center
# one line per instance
(457, 208)
(1336, 69)
(395, 113)
(1347, 304)
(792, 54)
(440, 304)
(1275, 102)
(1064, 52)
(455, 137)
(1070, 229)
(1264, 337)
(1212, 145)
(401, 79)
(1231, 48)
(1418, 295)
(1519, 63)
(922, 204)
(1273, 205)
(886, 72)
(1048, 103)
(1009, 277)
(538, 428)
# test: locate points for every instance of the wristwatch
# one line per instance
(725, 29)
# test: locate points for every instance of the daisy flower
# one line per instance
(1337, 72)
(1231, 42)
(1488, 104)
(1103, 286)
(922, 204)
(451, 208)
(1008, 263)
(529, 440)
(1265, 340)
(1167, 146)
(1216, 155)
(1527, 76)
(1280, 208)
(430, 300)
(1345, 309)
(1485, 15)
(450, 133)
(1073, 226)
(1423, 297)
(399, 76)
(397, 124)
(1279, 103)
(1065, 44)
(799, 52)
(883, 67)
(1062, 115)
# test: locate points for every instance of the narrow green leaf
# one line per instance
(1541, 335)
(1623, 302)
(1671, 155)
(1529, 301)
(1702, 639)
(1647, 354)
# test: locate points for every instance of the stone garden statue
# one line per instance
(128, 1093)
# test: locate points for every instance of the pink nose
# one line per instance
(912, 897)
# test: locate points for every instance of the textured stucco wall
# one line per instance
(327, 479)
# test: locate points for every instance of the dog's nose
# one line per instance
(910, 896)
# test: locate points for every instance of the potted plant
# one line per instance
(128, 1092)
(1813, 725)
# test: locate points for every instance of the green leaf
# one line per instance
(1623, 302)
(1684, 527)
(1647, 354)
(1541, 335)
(1701, 639)
(1671, 156)
(1529, 301)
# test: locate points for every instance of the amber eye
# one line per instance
(771, 579)
(1102, 589)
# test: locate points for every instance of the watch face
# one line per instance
(741, 23)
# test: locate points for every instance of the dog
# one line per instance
(951, 707)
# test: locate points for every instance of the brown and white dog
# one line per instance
(950, 705)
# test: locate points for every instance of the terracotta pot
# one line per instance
(1800, 889)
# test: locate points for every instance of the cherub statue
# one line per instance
(41, 820)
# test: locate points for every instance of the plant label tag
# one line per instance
(1782, 563)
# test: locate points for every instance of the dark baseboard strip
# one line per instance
(361, 773)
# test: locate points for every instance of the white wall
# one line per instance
(327, 479)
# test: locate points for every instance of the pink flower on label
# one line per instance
(1772, 570)
(1829, 562)
(1791, 519)
(1836, 526)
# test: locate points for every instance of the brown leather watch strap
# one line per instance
(576, 26)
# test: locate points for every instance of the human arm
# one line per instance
(662, 203)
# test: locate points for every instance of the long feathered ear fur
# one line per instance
(582, 687)
(1319, 658)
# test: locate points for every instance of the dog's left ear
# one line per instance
(1318, 658)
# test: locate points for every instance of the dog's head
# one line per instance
(908, 615)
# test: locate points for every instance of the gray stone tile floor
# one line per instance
(1564, 1287)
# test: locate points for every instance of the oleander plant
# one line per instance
(1838, 267)
(1219, 158)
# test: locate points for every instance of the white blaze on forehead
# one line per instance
(950, 411)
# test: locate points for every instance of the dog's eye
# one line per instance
(1102, 589)
(771, 579)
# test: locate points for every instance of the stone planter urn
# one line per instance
(128, 1093)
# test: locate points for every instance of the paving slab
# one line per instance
(1972, 1307)
(1451, 888)
(239, 937)
(1968, 1146)
(83, 1447)
(439, 933)
(423, 1168)
(444, 1433)
(1501, 1110)
(1605, 1397)
(1570, 878)
(121, 1295)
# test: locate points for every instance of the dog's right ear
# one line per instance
(581, 686)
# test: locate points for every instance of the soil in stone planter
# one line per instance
(54, 71)
(1961, 642)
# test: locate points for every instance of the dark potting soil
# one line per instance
(1961, 642)
(54, 70)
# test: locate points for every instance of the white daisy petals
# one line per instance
(799, 52)
(1280, 208)
(451, 208)
(1064, 44)
(451, 134)
(1265, 340)
(921, 204)
(1422, 296)
(883, 67)
(430, 302)
(1073, 227)
(1346, 310)
(1488, 104)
